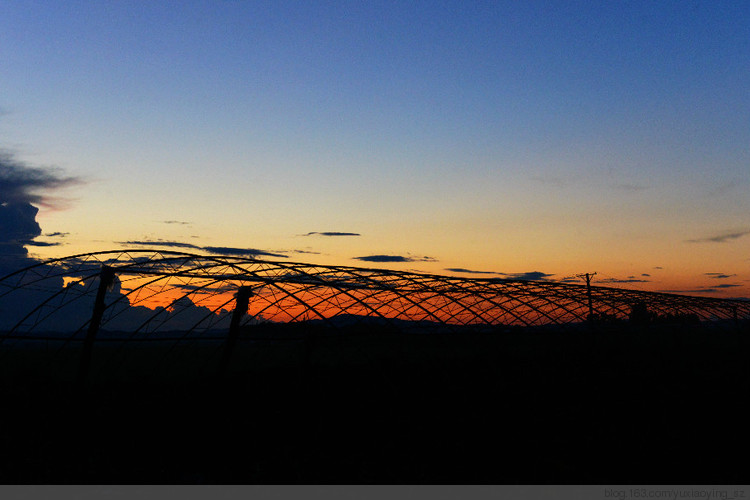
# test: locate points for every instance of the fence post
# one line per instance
(240, 308)
(106, 278)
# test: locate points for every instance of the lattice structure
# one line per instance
(158, 292)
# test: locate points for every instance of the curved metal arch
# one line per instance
(330, 291)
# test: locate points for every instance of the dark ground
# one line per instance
(618, 405)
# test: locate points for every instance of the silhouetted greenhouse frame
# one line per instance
(285, 292)
(131, 296)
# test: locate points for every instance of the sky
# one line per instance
(485, 139)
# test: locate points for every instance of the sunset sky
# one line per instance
(486, 139)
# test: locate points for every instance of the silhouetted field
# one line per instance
(301, 404)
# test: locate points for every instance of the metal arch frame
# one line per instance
(373, 292)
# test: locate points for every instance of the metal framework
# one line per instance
(155, 292)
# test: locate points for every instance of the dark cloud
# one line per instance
(720, 276)
(240, 251)
(57, 234)
(22, 184)
(393, 258)
(305, 252)
(468, 271)
(646, 275)
(330, 233)
(41, 243)
(18, 226)
(123, 315)
(629, 279)
(721, 238)
(22, 187)
(159, 243)
(658, 267)
(251, 252)
(529, 276)
(570, 279)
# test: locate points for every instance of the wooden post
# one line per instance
(240, 308)
(106, 278)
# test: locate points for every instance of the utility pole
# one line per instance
(588, 277)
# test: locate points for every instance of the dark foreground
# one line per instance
(614, 406)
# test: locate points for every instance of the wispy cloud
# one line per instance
(393, 258)
(468, 271)
(305, 252)
(246, 252)
(330, 233)
(56, 234)
(240, 251)
(706, 289)
(629, 279)
(159, 243)
(178, 222)
(721, 238)
(720, 276)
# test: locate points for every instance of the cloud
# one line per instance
(22, 187)
(629, 279)
(721, 238)
(159, 243)
(570, 279)
(468, 271)
(305, 252)
(720, 276)
(210, 249)
(18, 226)
(529, 276)
(23, 184)
(56, 234)
(330, 233)
(393, 258)
(42, 243)
(240, 251)
(182, 223)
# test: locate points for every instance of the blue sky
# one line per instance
(557, 137)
